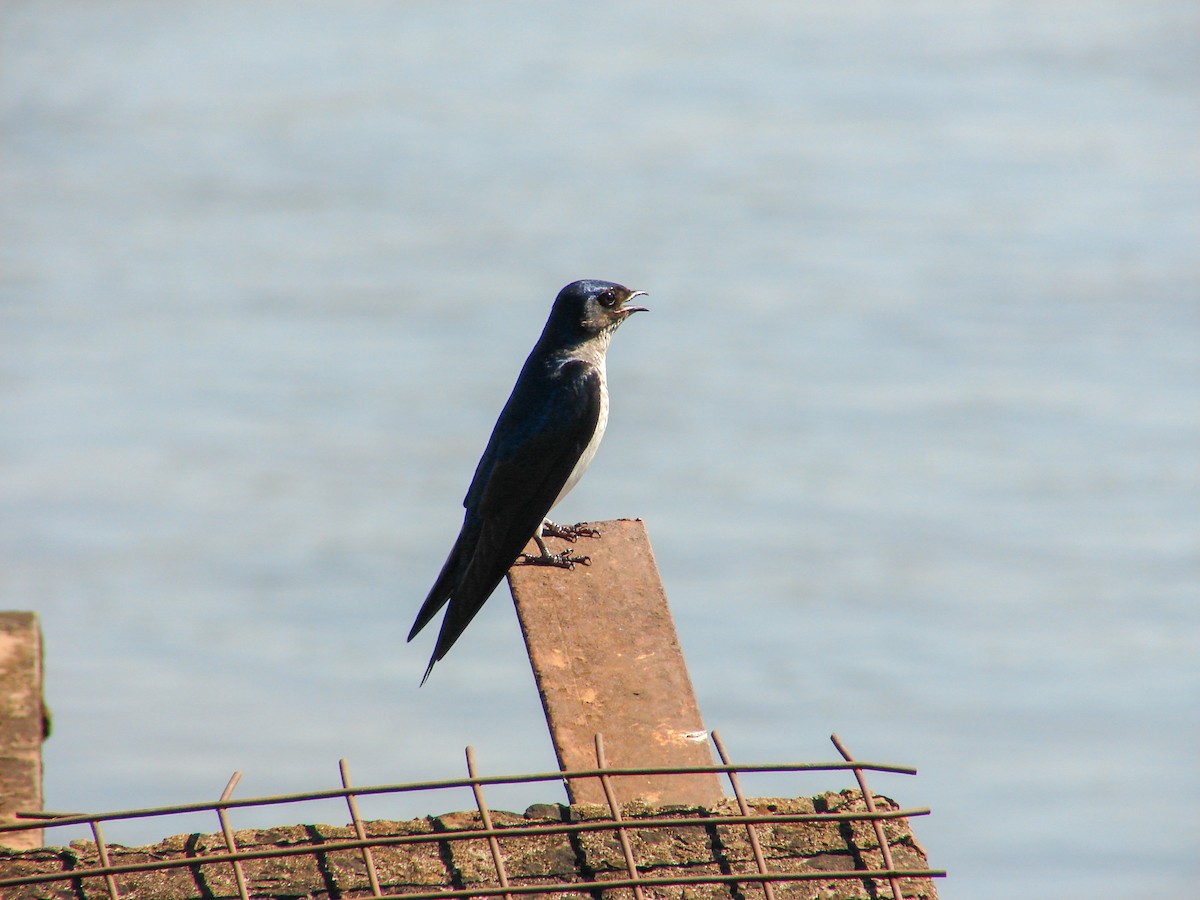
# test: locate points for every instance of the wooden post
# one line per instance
(607, 661)
(22, 724)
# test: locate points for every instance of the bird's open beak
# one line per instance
(630, 310)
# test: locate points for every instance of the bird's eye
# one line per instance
(608, 299)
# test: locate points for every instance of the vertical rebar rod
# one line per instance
(615, 808)
(884, 849)
(359, 831)
(744, 808)
(227, 832)
(493, 844)
(102, 852)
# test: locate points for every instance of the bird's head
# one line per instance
(589, 308)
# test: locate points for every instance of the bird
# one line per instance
(543, 441)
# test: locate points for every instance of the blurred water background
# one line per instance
(913, 422)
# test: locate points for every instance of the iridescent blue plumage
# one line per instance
(544, 439)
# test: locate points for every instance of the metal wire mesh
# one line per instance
(113, 876)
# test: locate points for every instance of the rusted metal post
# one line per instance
(607, 661)
(22, 724)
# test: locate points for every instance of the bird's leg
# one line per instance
(564, 560)
(568, 532)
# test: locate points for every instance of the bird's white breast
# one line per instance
(589, 452)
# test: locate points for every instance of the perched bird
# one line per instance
(543, 441)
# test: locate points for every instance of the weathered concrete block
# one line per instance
(552, 846)
(22, 723)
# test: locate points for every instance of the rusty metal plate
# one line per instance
(607, 661)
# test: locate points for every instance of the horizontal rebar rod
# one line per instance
(44, 819)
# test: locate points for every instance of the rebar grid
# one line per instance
(635, 881)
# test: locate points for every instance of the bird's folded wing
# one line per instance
(530, 466)
(514, 487)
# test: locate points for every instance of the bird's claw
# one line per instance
(569, 532)
(562, 560)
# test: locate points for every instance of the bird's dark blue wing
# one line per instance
(535, 445)
(536, 451)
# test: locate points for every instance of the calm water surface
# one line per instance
(913, 422)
